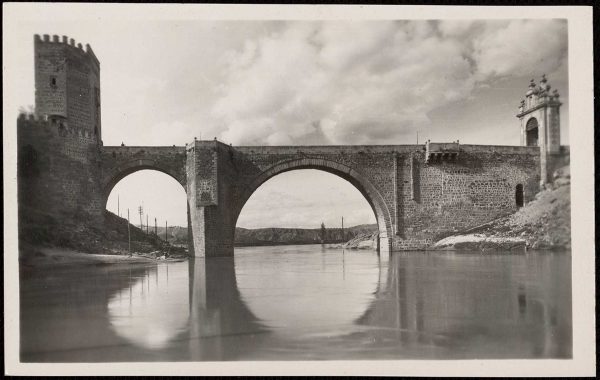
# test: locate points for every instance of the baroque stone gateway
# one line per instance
(419, 193)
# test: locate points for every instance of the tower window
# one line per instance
(53, 82)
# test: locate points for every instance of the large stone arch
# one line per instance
(116, 174)
(356, 178)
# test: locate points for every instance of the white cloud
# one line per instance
(367, 82)
(521, 47)
(370, 82)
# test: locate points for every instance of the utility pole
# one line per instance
(155, 228)
(146, 224)
(128, 232)
(417, 137)
(165, 230)
(141, 211)
(118, 206)
(343, 236)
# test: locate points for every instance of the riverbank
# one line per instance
(43, 241)
(366, 241)
(274, 236)
(31, 257)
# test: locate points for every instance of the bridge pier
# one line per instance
(212, 206)
(384, 244)
(211, 234)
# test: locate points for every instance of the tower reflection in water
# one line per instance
(414, 306)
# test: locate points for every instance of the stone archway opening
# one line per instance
(531, 132)
(156, 204)
(305, 198)
(519, 195)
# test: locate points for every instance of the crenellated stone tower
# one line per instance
(59, 146)
(539, 115)
(67, 83)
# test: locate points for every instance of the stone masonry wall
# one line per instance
(80, 89)
(452, 196)
(58, 170)
(50, 78)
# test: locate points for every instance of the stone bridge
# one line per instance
(418, 193)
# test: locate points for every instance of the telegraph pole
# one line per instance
(155, 227)
(343, 236)
(118, 206)
(128, 232)
(165, 230)
(146, 224)
(141, 211)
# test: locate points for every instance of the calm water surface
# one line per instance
(302, 303)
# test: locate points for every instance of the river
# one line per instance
(301, 303)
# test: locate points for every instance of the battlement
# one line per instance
(53, 123)
(69, 43)
(31, 117)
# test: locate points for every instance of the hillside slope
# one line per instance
(276, 236)
(111, 237)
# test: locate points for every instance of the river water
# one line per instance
(301, 303)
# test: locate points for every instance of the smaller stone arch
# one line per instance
(112, 177)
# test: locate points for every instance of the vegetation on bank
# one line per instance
(111, 237)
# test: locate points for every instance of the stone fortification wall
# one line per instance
(58, 169)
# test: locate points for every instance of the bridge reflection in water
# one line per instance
(303, 303)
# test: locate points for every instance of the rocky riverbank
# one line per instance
(367, 240)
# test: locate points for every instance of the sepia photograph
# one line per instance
(203, 189)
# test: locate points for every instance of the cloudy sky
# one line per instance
(164, 82)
